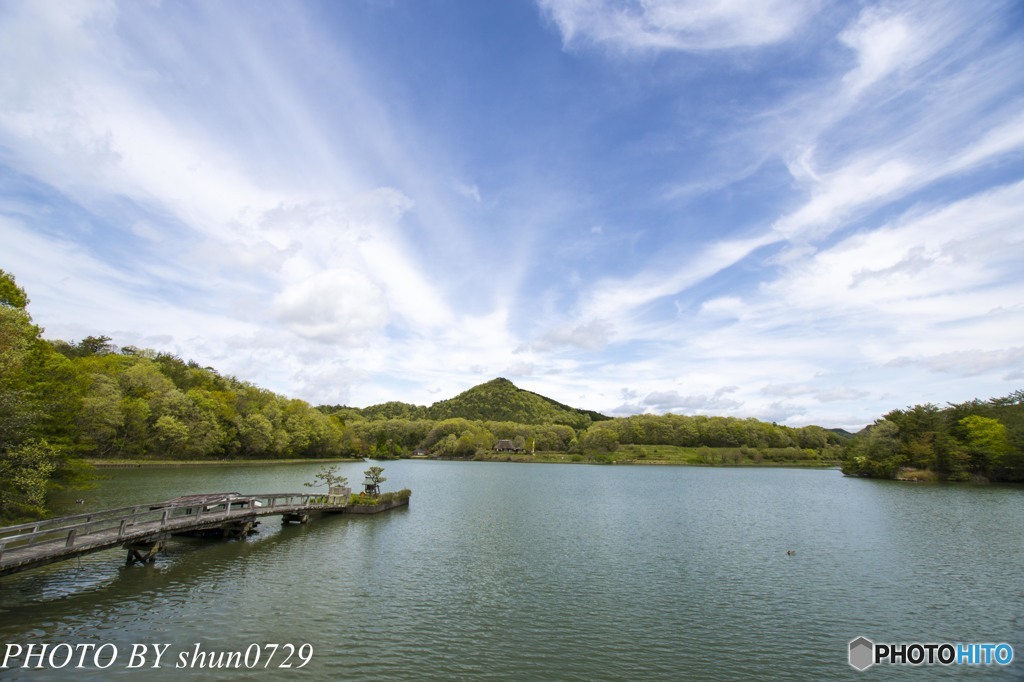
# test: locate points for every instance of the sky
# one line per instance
(800, 211)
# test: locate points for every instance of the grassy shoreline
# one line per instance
(656, 455)
(145, 463)
(672, 455)
(543, 459)
(518, 459)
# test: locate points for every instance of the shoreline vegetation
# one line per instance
(70, 408)
(724, 458)
(146, 463)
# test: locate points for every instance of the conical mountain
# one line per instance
(501, 400)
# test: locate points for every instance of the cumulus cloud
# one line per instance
(663, 402)
(593, 334)
(519, 369)
(334, 306)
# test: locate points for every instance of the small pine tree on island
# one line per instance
(328, 476)
(371, 484)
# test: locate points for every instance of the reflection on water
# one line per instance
(504, 571)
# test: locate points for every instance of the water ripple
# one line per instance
(511, 572)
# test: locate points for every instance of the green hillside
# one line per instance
(501, 401)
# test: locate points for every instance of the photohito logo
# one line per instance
(864, 653)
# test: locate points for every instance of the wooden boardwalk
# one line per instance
(143, 529)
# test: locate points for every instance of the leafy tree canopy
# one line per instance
(972, 440)
(10, 293)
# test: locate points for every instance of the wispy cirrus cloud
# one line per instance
(838, 286)
(786, 210)
(896, 55)
(677, 25)
(104, 108)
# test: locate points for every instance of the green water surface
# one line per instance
(548, 572)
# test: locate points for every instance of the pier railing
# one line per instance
(114, 525)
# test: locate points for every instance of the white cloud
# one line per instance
(846, 173)
(468, 191)
(924, 255)
(518, 369)
(969, 363)
(617, 298)
(672, 401)
(837, 194)
(333, 306)
(251, 233)
(724, 306)
(884, 42)
(689, 25)
(591, 335)
(278, 213)
(815, 392)
(831, 331)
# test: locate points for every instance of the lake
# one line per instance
(501, 571)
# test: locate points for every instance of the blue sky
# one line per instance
(802, 212)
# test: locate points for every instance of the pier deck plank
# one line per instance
(36, 544)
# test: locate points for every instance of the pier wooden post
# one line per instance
(238, 529)
(143, 552)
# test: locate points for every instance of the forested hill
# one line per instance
(498, 400)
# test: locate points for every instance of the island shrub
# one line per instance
(402, 495)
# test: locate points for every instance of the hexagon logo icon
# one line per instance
(862, 653)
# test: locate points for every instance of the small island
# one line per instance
(370, 500)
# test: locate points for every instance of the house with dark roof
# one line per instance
(506, 445)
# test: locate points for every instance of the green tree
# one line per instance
(17, 411)
(328, 475)
(986, 442)
(256, 434)
(102, 416)
(39, 401)
(374, 477)
(171, 435)
(874, 452)
(134, 438)
(11, 295)
(95, 345)
(600, 439)
(26, 472)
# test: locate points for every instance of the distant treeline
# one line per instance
(464, 438)
(472, 423)
(976, 440)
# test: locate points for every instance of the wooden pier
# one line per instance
(144, 529)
